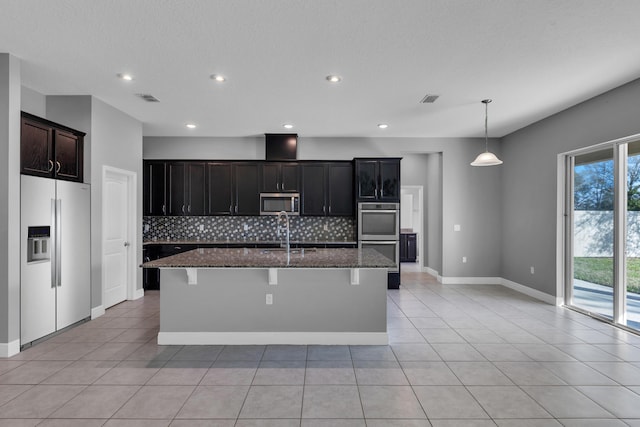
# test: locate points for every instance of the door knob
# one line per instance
(126, 244)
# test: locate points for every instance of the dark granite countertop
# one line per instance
(265, 258)
(247, 242)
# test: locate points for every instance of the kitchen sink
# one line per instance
(293, 251)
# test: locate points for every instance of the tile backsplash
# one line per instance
(246, 228)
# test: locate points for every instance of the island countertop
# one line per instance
(273, 258)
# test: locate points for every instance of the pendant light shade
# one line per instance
(487, 158)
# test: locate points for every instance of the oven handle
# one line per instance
(379, 211)
(379, 242)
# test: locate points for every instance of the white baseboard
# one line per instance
(291, 338)
(549, 299)
(97, 312)
(471, 281)
(432, 272)
(534, 293)
(9, 349)
(137, 294)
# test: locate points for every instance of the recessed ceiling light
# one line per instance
(125, 76)
(191, 125)
(218, 78)
(383, 125)
(287, 126)
(332, 78)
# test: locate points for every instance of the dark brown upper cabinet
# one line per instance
(219, 189)
(377, 179)
(280, 177)
(246, 183)
(50, 150)
(327, 189)
(154, 188)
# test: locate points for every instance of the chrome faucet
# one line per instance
(280, 228)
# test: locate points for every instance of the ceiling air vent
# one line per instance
(147, 97)
(429, 99)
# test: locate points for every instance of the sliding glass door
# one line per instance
(592, 232)
(632, 240)
(603, 233)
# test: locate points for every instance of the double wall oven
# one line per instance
(379, 229)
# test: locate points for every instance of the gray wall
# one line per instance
(470, 196)
(33, 102)
(113, 139)
(10, 197)
(433, 212)
(116, 142)
(530, 177)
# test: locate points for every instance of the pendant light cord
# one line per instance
(486, 126)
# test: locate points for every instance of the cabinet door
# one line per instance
(69, 156)
(154, 188)
(196, 194)
(270, 177)
(412, 247)
(247, 186)
(219, 189)
(389, 185)
(366, 179)
(36, 149)
(340, 189)
(290, 177)
(175, 188)
(313, 189)
(403, 248)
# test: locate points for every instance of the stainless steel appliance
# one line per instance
(378, 221)
(55, 264)
(274, 203)
(379, 229)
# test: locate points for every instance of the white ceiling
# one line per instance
(532, 57)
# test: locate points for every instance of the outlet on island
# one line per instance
(201, 227)
(269, 299)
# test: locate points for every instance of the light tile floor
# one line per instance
(459, 355)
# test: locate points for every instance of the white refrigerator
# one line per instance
(55, 262)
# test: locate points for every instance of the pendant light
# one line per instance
(487, 158)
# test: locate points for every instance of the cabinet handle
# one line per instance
(164, 209)
(329, 209)
(58, 168)
(278, 186)
(324, 209)
(236, 208)
(231, 208)
(282, 186)
(189, 208)
(50, 165)
(182, 208)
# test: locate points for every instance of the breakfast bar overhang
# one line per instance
(256, 296)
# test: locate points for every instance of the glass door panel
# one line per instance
(593, 232)
(632, 246)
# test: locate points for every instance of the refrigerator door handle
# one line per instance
(54, 249)
(58, 242)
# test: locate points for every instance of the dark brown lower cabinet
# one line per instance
(408, 247)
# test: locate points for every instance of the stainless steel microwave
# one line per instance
(273, 203)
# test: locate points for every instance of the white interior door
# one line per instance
(116, 229)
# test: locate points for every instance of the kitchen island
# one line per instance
(266, 296)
